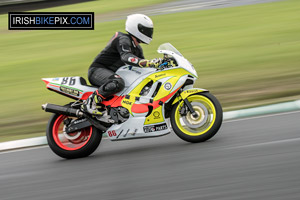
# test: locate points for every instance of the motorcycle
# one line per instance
(140, 110)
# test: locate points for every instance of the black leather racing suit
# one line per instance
(119, 51)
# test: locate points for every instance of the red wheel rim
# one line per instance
(70, 144)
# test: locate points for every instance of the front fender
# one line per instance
(187, 93)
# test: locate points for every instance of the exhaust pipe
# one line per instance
(73, 113)
(62, 110)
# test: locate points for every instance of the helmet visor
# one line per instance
(145, 30)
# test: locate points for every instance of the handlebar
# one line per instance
(167, 62)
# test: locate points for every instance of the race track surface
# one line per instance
(254, 158)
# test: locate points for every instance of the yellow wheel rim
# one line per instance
(206, 116)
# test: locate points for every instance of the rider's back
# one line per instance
(119, 49)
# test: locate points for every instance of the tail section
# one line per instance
(73, 87)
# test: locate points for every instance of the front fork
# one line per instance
(183, 94)
(190, 108)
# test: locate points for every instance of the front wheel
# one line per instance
(205, 125)
(71, 145)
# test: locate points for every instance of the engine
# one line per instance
(119, 114)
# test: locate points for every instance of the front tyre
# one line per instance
(73, 145)
(201, 128)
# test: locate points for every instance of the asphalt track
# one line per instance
(256, 158)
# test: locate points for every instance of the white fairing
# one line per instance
(74, 87)
(134, 128)
(130, 74)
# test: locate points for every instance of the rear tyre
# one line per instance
(202, 128)
(74, 145)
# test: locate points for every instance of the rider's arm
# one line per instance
(125, 49)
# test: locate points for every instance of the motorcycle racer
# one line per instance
(140, 110)
(121, 49)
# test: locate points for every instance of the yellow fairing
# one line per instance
(174, 75)
(206, 116)
(127, 103)
(156, 116)
(163, 91)
(186, 93)
(168, 79)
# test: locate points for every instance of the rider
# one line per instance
(121, 49)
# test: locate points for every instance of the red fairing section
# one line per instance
(46, 82)
(86, 95)
(114, 102)
(142, 108)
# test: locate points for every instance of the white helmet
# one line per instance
(140, 26)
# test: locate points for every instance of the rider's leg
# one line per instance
(113, 85)
(109, 83)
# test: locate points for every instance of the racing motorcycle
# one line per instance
(153, 102)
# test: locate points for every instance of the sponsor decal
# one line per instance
(133, 60)
(50, 20)
(69, 91)
(191, 91)
(79, 121)
(127, 102)
(159, 75)
(153, 128)
(156, 115)
(55, 79)
(136, 71)
(168, 86)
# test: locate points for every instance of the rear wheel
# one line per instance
(202, 127)
(71, 145)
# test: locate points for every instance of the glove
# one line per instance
(156, 62)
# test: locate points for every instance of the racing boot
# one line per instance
(90, 105)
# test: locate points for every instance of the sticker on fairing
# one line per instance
(168, 86)
(55, 79)
(153, 128)
(69, 91)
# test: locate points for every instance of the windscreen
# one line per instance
(170, 47)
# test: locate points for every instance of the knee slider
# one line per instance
(118, 81)
(114, 86)
(111, 86)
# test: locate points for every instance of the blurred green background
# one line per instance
(246, 56)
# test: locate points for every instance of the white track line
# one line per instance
(262, 116)
(23, 149)
(265, 143)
